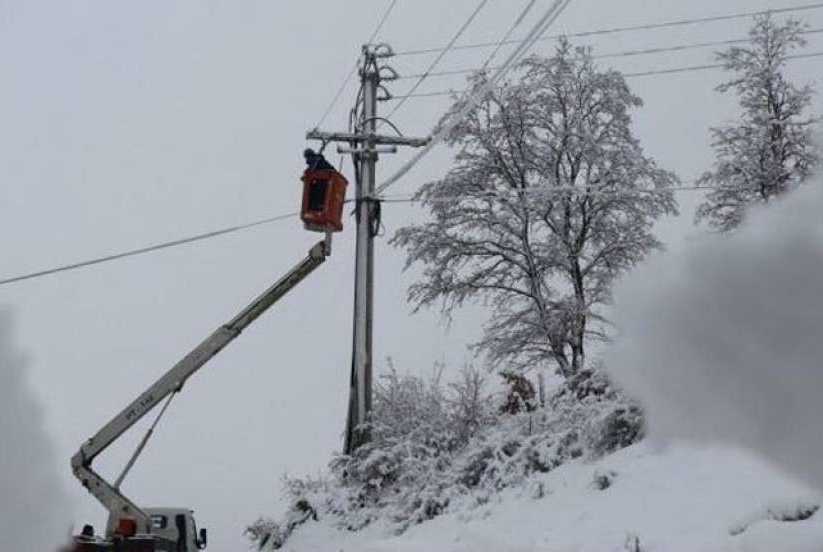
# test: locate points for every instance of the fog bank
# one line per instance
(722, 337)
(34, 516)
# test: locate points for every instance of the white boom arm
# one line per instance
(171, 382)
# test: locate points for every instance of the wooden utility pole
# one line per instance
(365, 144)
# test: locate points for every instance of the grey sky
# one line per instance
(129, 124)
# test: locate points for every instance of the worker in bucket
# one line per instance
(315, 161)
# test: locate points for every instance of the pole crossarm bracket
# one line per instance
(369, 138)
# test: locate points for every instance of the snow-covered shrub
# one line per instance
(585, 417)
(468, 405)
(434, 446)
(608, 419)
(517, 447)
(616, 428)
(267, 534)
(798, 510)
(417, 428)
(520, 396)
(602, 480)
(632, 543)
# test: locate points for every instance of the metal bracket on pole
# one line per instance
(367, 137)
(380, 50)
(379, 149)
(392, 74)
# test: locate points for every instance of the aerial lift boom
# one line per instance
(109, 495)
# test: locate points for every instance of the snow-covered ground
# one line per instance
(721, 343)
(673, 498)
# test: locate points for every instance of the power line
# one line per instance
(149, 249)
(705, 67)
(215, 233)
(673, 70)
(509, 33)
(491, 57)
(443, 52)
(543, 191)
(614, 30)
(543, 23)
(338, 93)
(382, 21)
(625, 53)
(384, 199)
(355, 66)
(629, 53)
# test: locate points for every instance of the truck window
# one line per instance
(159, 522)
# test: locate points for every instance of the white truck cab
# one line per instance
(177, 526)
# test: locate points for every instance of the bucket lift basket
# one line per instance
(324, 191)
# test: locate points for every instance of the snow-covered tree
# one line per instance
(768, 150)
(551, 197)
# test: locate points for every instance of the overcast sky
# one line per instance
(124, 125)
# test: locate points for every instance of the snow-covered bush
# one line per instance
(520, 396)
(507, 455)
(608, 420)
(418, 426)
(267, 534)
(434, 446)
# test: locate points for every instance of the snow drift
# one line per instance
(685, 499)
(33, 510)
(721, 339)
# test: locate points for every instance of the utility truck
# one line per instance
(132, 528)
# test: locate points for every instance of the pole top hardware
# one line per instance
(369, 137)
(377, 149)
(383, 95)
(392, 74)
(379, 50)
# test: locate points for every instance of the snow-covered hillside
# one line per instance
(655, 499)
(720, 342)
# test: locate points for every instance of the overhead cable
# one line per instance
(644, 27)
(550, 15)
(383, 198)
(355, 66)
(625, 53)
(500, 43)
(542, 191)
(149, 249)
(338, 93)
(443, 53)
(509, 33)
(686, 69)
(382, 21)
(644, 51)
(708, 66)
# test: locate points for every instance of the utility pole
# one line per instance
(364, 144)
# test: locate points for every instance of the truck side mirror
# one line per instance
(201, 542)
